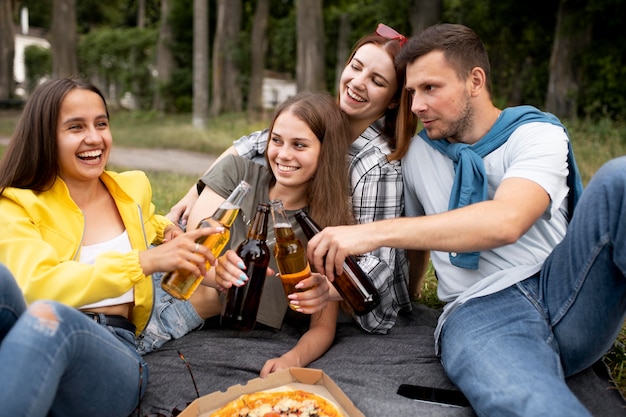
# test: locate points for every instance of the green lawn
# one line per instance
(593, 143)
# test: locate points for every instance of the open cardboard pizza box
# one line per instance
(312, 380)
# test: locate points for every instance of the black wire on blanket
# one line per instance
(180, 355)
(179, 408)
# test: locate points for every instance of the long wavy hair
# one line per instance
(392, 47)
(329, 189)
(31, 160)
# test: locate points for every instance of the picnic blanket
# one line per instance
(368, 368)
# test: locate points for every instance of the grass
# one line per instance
(8, 120)
(593, 143)
(151, 130)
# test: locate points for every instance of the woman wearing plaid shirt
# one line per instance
(369, 93)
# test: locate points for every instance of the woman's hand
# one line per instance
(171, 232)
(277, 364)
(179, 213)
(314, 295)
(311, 344)
(230, 270)
(182, 252)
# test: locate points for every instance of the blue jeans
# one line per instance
(54, 360)
(509, 352)
(171, 319)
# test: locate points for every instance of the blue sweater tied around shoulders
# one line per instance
(470, 181)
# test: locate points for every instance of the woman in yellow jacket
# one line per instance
(75, 238)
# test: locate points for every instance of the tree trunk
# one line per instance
(200, 63)
(165, 58)
(258, 43)
(343, 48)
(572, 36)
(218, 61)
(64, 39)
(135, 87)
(7, 49)
(233, 101)
(141, 14)
(226, 83)
(310, 45)
(424, 13)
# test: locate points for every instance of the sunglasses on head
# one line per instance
(390, 33)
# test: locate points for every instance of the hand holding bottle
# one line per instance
(354, 286)
(230, 271)
(181, 252)
(312, 295)
(180, 283)
(241, 306)
(293, 266)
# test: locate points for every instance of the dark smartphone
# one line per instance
(445, 397)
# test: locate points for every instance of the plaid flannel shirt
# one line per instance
(377, 194)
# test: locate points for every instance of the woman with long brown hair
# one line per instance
(75, 237)
(370, 91)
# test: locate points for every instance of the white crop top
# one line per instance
(88, 255)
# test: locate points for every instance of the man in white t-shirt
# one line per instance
(532, 297)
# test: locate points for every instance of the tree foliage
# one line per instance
(518, 35)
(38, 64)
(603, 91)
(105, 57)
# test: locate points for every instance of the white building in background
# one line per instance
(25, 36)
(276, 89)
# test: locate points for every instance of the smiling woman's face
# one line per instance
(368, 84)
(83, 136)
(293, 151)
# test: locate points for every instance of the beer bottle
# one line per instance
(353, 285)
(180, 283)
(242, 303)
(293, 265)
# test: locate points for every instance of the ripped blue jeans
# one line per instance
(54, 360)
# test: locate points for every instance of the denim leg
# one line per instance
(499, 351)
(509, 352)
(56, 361)
(12, 303)
(171, 319)
(583, 279)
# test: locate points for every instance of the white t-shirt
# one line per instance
(535, 151)
(88, 255)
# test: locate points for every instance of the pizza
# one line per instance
(289, 403)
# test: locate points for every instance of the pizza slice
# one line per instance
(289, 403)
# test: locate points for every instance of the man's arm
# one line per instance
(517, 204)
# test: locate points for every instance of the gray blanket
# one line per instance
(368, 368)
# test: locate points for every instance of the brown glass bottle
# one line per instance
(181, 283)
(289, 252)
(354, 285)
(242, 303)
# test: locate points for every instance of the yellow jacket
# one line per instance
(41, 235)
